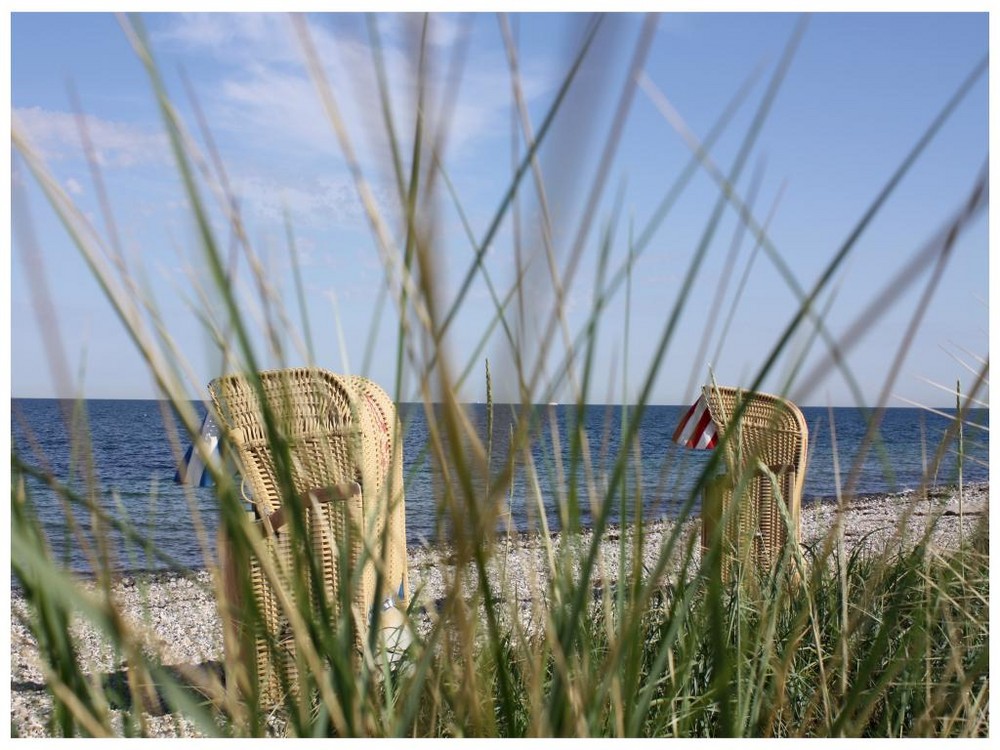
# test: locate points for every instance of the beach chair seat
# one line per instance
(765, 443)
(320, 458)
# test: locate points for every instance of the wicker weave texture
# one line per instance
(319, 429)
(769, 432)
(382, 446)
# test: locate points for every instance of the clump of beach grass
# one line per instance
(832, 643)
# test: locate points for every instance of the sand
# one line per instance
(178, 617)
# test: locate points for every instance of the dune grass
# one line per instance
(853, 644)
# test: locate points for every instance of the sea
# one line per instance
(132, 457)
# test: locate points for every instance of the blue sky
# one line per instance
(860, 92)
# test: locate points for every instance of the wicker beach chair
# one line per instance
(342, 471)
(765, 458)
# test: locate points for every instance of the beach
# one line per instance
(178, 618)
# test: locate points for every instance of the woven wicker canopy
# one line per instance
(327, 447)
(765, 440)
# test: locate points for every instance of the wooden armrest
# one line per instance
(342, 491)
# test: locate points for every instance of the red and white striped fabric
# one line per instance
(696, 428)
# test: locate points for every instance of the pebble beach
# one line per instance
(177, 614)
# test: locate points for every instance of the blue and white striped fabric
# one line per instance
(192, 469)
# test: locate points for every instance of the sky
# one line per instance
(857, 95)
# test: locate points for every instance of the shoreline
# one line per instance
(179, 617)
(821, 504)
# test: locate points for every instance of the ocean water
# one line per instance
(133, 460)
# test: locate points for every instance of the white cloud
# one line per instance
(74, 187)
(271, 37)
(329, 201)
(56, 135)
(444, 30)
(265, 91)
(278, 108)
(236, 37)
